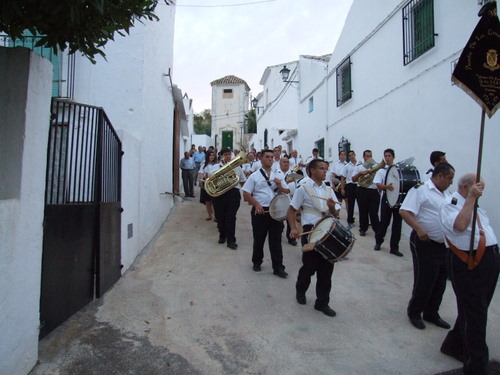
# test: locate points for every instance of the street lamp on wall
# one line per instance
(285, 73)
(255, 103)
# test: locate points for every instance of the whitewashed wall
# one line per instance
(413, 109)
(229, 114)
(24, 119)
(312, 124)
(134, 90)
(278, 105)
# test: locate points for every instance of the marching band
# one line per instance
(308, 195)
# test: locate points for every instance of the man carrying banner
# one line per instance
(474, 288)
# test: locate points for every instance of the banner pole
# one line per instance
(472, 252)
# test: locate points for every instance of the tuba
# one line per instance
(225, 178)
(367, 179)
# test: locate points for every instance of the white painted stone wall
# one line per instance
(413, 109)
(278, 105)
(133, 88)
(229, 114)
(24, 116)
(312, 124)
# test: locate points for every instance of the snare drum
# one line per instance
(403, 178)
(331, 239)
(278, 208)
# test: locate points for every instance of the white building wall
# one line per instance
(134, 90)
(413, 109)
(24, 119)
(278, 105)
(312, 124)
(228, 114)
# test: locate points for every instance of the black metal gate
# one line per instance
(81, 242)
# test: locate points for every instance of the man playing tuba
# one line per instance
(226, 205)
(367, 193)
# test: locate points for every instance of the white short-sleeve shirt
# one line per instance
(425, 202)
(301, 198)
(448, 215)
(257, 185)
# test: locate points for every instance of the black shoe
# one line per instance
(222, 240)
(301, 298)
(362, 233)
(256, 268)
(439, 322)
(233, 245)
(326, 310)
(376, 247)
(417, 323)
(293, 242)
(397, 253)
(281, 273)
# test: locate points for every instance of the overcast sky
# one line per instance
(216, 38)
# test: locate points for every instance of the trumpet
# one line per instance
(294, 176)
(367, 179)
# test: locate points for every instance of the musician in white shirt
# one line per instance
(420, 210)
(259, 190)
(386, 212)
(313, 210)
(349, 186)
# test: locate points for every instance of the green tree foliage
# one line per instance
(251, 121)
(80, 25)
(202, 122)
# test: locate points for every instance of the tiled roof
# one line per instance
(229, 80)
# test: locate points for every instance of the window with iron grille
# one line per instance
(344, 92)
(418, 29)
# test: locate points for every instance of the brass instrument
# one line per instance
(294, 176)
(367, 179)
(225, 178)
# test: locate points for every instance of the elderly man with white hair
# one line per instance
(474, 282)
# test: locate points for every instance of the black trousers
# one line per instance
(474, 291)
(368, 202)
(386, 213)
(226, 206)
(429, 277)
(262, 226)
(350, 192)
(313, 262)
(188, 182)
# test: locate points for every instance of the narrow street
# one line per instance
(192, 306)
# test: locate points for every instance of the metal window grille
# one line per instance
(418, 29)
(344, 91)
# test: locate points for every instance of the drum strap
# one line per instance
(319, 209)
(267, 179)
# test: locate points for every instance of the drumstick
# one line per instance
(311, 231)
(317, 196)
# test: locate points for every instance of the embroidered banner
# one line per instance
(478, 70)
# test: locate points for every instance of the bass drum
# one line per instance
(278, 208)
(331, 239)
(403, 178)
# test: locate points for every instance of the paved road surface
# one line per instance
(192, 306)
